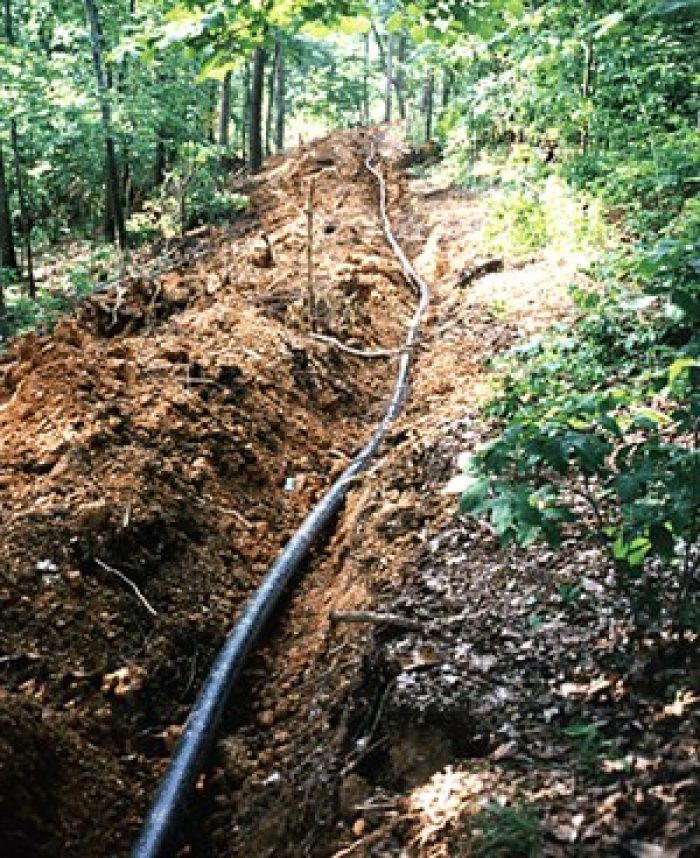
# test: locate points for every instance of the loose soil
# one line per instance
(179, 428)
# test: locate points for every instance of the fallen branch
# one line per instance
(122, 577)
(379, 353)
(237, 515)
(373, 837)
(376, 619)
(489, 266)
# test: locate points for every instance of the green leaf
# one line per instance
(355, 26)
(474, 495)
(396, 22)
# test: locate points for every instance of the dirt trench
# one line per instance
(179, 430)
(392, 737)
(174, 433)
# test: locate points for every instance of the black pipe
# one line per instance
(160, 828)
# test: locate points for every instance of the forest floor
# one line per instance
(178, 429)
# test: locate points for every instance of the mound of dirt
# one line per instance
(156, 451)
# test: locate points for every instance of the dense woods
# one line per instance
(127, 127)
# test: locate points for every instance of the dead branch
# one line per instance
(373, 837)
(122, 577)
(237, 515)
(469, 275)
(370, 355)
(377, 619)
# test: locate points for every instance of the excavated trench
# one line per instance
(158, 449)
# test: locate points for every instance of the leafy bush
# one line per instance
(599, 425)
(535, 209)
(192, 194)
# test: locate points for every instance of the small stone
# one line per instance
(171, 735)
(266, 718)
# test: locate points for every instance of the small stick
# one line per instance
(379, 353)
(237, 515)
(376, 619)
(373, 836)
(122, 577)
(310, 252)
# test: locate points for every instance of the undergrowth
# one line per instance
(597, 425)
(506, 832)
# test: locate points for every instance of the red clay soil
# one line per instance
(176, 430)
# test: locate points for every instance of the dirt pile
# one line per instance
(175, 431)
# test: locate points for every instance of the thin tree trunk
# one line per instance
(280, 97)
(428, 104)
(106, 111)
(127, 185)
(245, 112)
(392, 81)
(23, 208)
(211, 125)
(270, 112)
(225, 110)
(401, 76)
(447, 84)
(256, 105)
(109, 229)
(8, 257)
(388, 106)
(586, 90)
(365, 83)
(159, 164)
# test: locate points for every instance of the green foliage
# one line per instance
(600, 426)
(506, 832)
(533, 209)
(590, 745)
(596, 425)
(192, 194)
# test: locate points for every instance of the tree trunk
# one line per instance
(401, 76)
(109, 229)
(245, 112)
(447, 84)
(8, 257)
(392, 81)
(256, 105)
(23, 210)
(106, 111)
(365, 83)
(586, 90)
(159, 164)
(270, 112)
(225, 110)
(280, 96)
(14, 143)
(388, 106)
(428, 104)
